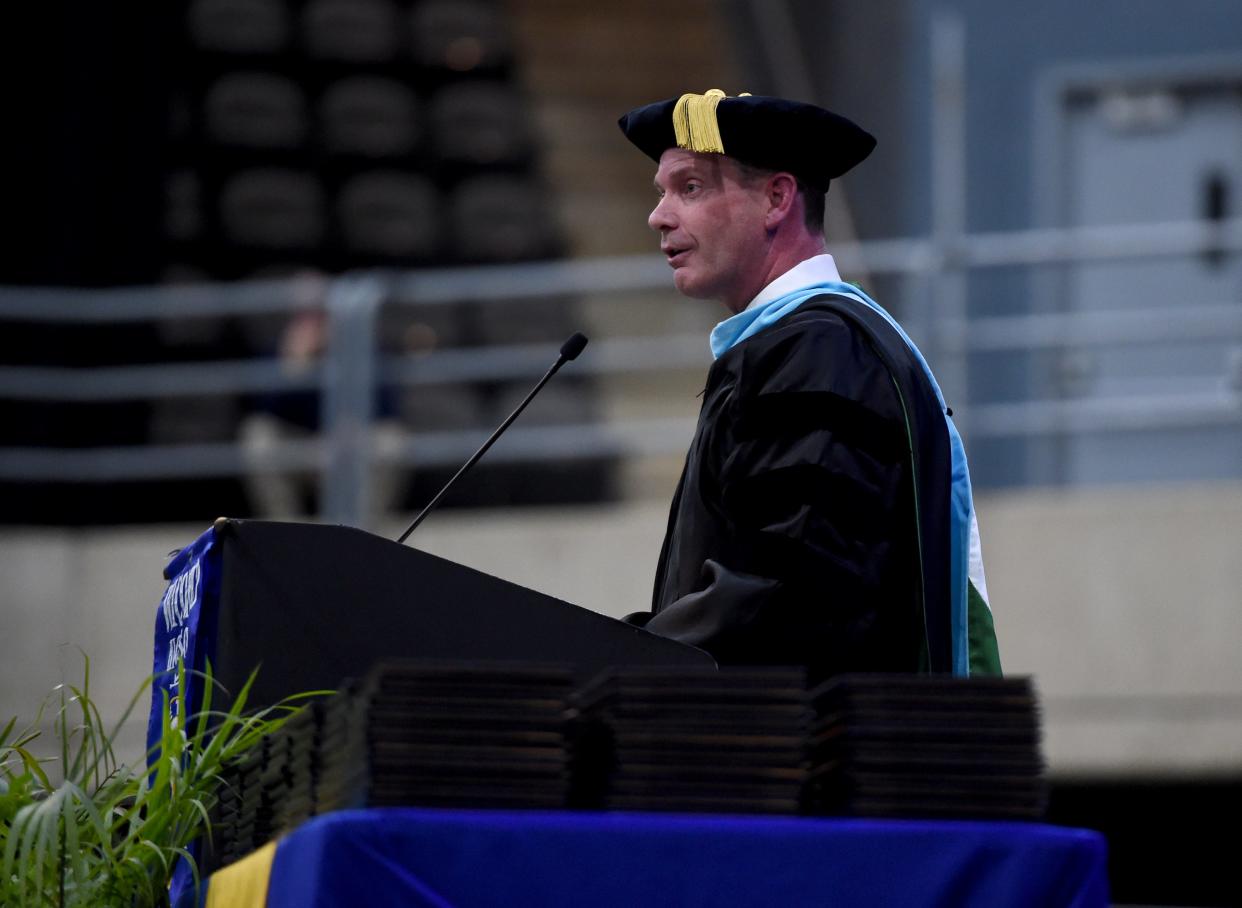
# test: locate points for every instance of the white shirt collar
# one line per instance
(815, 270)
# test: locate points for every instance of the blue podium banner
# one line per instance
(184, 631)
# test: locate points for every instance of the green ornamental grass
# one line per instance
(83, 828)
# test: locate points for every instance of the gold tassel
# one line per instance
(694, 122)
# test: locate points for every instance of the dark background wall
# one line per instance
(84, 96)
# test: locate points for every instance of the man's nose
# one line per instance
(661, 217)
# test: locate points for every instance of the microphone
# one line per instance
(569, 351)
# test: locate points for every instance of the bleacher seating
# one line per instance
(287, 108)
(391, 215)
(351, 31)
(480, 123)
(273, 208)
(370, 116)
(344, 134)
(460, 35)
(239, 26)
(255, 110)
(500, 218)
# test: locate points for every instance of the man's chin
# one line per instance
(686, 284)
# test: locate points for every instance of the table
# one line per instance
(428, 857)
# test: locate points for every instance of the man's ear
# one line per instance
(782, 196)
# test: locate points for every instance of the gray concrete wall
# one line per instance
(1125, 605)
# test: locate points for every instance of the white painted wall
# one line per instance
(1125, 605)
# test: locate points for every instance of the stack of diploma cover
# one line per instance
(692, 740)
(451, 735)
(297, 751)
(927, 746)
(269, 791)
(738, 740)
(243, 815)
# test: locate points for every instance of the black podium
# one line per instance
(313, 605)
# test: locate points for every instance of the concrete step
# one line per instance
(582, 66)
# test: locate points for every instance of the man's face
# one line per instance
(711, 225)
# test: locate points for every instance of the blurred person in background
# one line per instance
(824, 515)
(277, 418)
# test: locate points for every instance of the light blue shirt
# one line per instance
(808, 278)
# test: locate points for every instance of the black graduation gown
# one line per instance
(794, 536)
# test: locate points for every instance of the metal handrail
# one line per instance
(441, 367)
(129, 304)
(608, 357)
(352, 365)
(631, 438)
(634, 438)
(515, 283)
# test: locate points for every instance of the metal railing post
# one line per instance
(348, 397)
(946, 301)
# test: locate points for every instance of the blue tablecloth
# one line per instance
(425, 857)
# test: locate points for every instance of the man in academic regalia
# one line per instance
(824, 516)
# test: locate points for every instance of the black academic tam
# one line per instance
(813, 144)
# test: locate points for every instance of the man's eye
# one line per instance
(692, 188)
